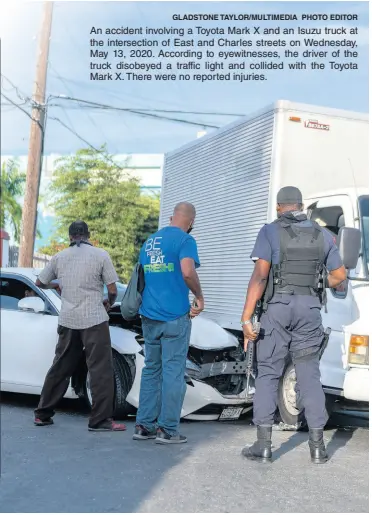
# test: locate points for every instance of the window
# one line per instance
(331, 218)
(364, 221)
(12, 291)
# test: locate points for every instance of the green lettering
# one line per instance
(159, 267)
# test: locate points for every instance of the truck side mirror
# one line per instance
(349, 242)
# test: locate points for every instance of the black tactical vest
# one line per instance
(301, 260)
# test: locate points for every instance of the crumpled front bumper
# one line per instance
(199, 395)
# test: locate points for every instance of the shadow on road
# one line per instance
(83, 472)
(109, 472)
(345, 423)
(340, 438)
(294, 441)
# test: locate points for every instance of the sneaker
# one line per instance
(108, 425)
(46, 422)
(165, 438)
(141, 433)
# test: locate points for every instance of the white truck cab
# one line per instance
(345, 363)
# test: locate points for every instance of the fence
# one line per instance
(40, 260)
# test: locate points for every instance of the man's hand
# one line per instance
(197, 307)
(107, 305)
(249, 335)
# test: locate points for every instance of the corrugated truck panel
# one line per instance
(226, 176)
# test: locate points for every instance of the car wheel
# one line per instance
(122, 382)
(289, 414)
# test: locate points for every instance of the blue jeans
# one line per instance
(163, 385)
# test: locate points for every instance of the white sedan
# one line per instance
(29, 320)
(217, 386)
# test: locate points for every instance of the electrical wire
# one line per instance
(107, 157)
(23, 110)
(87, 114)
(24, 98)
(136, 111)
(126, 94)
(66, 86)
(172, 111)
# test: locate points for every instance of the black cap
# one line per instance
(288, 196)
(78, 228)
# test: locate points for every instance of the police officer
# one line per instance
(289, 255)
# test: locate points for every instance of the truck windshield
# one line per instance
(364, 220)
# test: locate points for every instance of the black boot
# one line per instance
(261, 449)
(318, 451)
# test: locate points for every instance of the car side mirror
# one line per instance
(34, 304)
(349, 242)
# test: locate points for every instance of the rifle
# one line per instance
(251, 372)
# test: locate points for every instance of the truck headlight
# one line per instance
(359, 350)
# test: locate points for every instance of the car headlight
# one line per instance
(192, 366)
(192, 369)
(359, 349)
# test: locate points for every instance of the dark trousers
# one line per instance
(292, 323)
(96, 343)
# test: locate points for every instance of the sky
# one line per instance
(68, 74)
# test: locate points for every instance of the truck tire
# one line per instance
(288, 413)
(122, 383)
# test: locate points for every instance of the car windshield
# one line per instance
(364, 218)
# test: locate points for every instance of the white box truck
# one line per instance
(232, 176)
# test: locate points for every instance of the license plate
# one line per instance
(231, 413)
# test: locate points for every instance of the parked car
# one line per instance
(216, 379)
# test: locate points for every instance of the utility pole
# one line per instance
(34, 164)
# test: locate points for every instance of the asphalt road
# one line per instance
(64, 468)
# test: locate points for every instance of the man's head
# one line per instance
(30, 293)
(78, 231)
(183, 216)
(289, 199)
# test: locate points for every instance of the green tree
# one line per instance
(12, 188)
(90, 187)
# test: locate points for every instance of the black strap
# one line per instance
(291, 232)
(79, 242)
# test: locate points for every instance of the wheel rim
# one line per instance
(88, 390)
(289, 392)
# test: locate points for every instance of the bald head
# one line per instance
(184, 215)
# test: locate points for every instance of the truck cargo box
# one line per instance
(233, 174)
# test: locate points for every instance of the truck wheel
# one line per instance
(122, 381)
(289, 414)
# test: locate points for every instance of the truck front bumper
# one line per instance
(356, 384)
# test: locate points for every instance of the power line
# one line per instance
(23, 110)
(24, 98)
(66, 86)
(122, 94)
(145, 110)
(107, 157)
(136, 111)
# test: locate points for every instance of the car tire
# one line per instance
(288, 414)
(122, 384)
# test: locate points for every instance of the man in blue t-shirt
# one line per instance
(169, 259)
